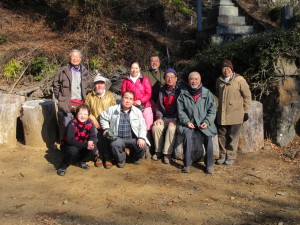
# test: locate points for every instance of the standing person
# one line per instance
(234, 102)
(196, 113)
(80, 142)
(98, 101)
(125, 127)
(164, 126)
(141, 87)
(156, 76)
(70, 86)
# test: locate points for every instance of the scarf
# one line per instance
(194, 91)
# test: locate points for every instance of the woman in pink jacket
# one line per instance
(141, 87)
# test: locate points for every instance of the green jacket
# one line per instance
(202, 111)
(157, 81)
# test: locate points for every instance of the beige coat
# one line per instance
(234, 100)
(99, 104)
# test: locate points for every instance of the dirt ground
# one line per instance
(262, 188)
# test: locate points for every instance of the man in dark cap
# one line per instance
(234, 102)
(164, 126)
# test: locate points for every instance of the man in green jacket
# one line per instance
(234, 101)
(196, 113)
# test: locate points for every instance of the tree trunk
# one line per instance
(40, 123)
(9, 112)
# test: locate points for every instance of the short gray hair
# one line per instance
(75, 51)
(194, 72)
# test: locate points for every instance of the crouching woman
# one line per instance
(80, 141)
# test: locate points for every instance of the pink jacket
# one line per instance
(142, 89)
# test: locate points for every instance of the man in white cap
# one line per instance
(99, 100)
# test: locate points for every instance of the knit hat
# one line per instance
(170, 70)
(227, 63)
(99, 78)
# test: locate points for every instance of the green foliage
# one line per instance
(181, 6)
(11, 69)
(253, 56)
(95, 63)
(40, 67)
(3, 39)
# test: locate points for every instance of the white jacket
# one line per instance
(110, 118)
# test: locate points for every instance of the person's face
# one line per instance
(154, 63)
(100, 87)
(170, 79)
(82, 115)
(226, 71)
(134, 70)
(127, 101)
(75, 58)
(194, 80)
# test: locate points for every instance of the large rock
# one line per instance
(252, 134)
(199, 150)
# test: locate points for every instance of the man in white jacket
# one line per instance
(125, 126)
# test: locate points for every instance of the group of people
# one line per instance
(154, 107)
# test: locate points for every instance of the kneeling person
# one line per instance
(80, 141)
(125, 127)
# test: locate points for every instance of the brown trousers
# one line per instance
(229, 140)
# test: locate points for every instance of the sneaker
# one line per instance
(147, 153)
(108, 164)
(166, 160)
(221, 160)
(137, 162)
(229, 162)
(154, 157)
(98, 163)
(83, 165)
(61, 172)
(121, 164)
(210, 170)
(186, 169)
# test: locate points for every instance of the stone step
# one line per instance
(234, 29)
(228, 11)
(231, 20)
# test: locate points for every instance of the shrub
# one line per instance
(11, 69)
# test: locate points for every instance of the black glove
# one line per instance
(246, 117)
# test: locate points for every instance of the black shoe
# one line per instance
(61, 172)
(83, 165)
(137, 162)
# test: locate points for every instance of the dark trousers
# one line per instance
(104, 146)
(74, 154)
(120, 144)
(63, 119)
(188, 147)
(229, 140)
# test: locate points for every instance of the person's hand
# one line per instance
(203, 126)
(141, 143)
(105, 133)
(97, 125)
(246, 117)
(158, 122)
(172, 123)
(137, 102)
(190, 125)
(91, 145)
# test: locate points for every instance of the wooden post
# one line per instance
(40, 124)
(10, 107)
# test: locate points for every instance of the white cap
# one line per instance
(99, 78)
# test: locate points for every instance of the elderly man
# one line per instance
(234, 102)
(99, 100)
(155, 74)
(125, 126)
(196, 113)
(70, 88)
(164, 126)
